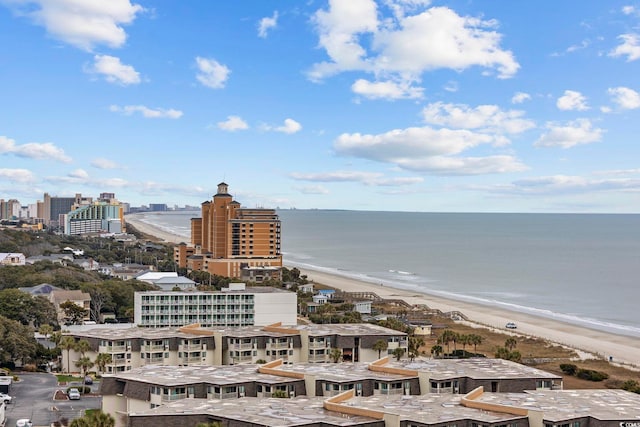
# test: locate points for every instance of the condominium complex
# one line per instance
(192, 345)
(236, 305)
(228, 238)
(383, 393)
(96, 217)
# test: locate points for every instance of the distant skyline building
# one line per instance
(158, 207)
(97, 217)
(228, 240)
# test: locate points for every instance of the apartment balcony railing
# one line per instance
(318, 345)
(145, 348)
(191, 347)
(154, 361)
(177, 396)
(246, 346)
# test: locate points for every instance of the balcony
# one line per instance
(154, 361)
(279, 345)
(150, 348)
(191, 347)
(171, 397)
(318, 344)
(244, 346)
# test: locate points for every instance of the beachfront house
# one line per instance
(11, 259)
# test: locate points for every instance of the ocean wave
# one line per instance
(491, 302)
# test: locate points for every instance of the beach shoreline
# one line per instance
(620, 349)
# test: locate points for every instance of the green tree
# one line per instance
(45, 330)
(464, 340)
(335, 354)
(84, 363)
(102, 360)
(446, 337)
(398, 353)
(511, 343)
(82, 346)
(73, 313)
(94, 419)
(414, 346)
(28, 310)
(67, 343)
(16, 341)
(380, 346)
(436, 350)
(475, 340)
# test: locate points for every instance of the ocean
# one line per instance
(579, 268)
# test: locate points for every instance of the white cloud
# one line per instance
(566, 184)
(114, 71)
(211, 73)
(102, 163)
(233, 123)
(312, 189)
(386, 90)
(520, 97)
(451, 86)
(625, 98)
(428, 150)
(487, 118)
(408, 46)
(79, 174)
(629, 10)
(367, 178)
(266, 24)
(33, 150)
(290, 127)
(574, 133)
(17, 175)
(82, 23)
(630, 47)
(337, 176)
(572, 100)
(149, 113)
(463, 165)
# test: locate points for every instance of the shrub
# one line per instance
(569, 368)
(81, 389)
(632, 386)
(29, 368)
(591, 375)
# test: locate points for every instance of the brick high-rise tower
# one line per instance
(232, 241)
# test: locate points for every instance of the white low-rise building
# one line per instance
(233, 306)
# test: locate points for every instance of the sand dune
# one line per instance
(622, 349)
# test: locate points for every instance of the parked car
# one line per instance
(73, 394)
(24, 422)
(5, 398)
(511, 325)
(88, 380)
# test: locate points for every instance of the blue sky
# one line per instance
(404, 105)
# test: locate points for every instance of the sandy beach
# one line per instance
(622, 349)
(152, 230)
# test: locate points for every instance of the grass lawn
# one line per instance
(67, 378)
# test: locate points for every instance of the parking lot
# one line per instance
(33, 398)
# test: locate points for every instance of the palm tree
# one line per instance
(476, 340)
(82, 347)
(335, 355)
(446, 338)
(464, 340)
(102, 360)
(510, 343)
(380, 346)
(84, 363)
(95, 419)
(398, 352)
(67, 343)
(414, 346)
(437, 350)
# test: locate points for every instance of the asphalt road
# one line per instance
(33, 398)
